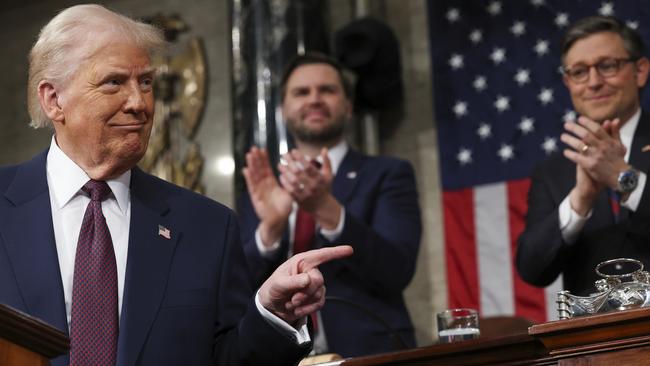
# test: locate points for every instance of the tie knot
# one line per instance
(97, 189)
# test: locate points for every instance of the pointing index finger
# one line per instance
(314, 258)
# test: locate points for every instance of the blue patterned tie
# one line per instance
(94, 324)
(614, 202)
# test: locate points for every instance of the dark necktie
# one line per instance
(94, 324)
(614, 202)
(302, 242)
(304, 232)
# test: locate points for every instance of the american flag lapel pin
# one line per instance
(164, 232)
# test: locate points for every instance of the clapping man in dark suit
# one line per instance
(328, 193)
(137, 271)
(591, 204)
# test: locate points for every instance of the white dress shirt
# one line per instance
(571, 223)
(65, 180)
(68, 201)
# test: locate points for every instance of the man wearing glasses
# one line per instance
(590, 204)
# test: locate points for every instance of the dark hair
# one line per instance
(596, 24)
(310, 58)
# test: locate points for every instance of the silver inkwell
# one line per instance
(624, 285)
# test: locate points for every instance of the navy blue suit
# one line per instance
(382, 224)
(542, 254)
(186, 300)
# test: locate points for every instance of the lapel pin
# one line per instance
(646, 148)
(164, 232)
(352, 175)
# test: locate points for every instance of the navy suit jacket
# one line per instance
(186, 300)
(382, 224)
(542, 254)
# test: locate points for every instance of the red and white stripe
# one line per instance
(481, 229)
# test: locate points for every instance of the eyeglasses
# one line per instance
(605, 68)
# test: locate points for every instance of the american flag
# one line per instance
(164, 232)
(499, 109)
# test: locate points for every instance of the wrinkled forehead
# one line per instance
(109, 52)
(107, 41)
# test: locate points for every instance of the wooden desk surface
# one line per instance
(619, 338)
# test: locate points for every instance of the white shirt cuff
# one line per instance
(265, 251)
(331, 235)
(299, 336)
(632, 202)
(571, 223)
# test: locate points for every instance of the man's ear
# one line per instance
(48, 96)
(349, 109)
(642, 69)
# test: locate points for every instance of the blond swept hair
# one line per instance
(73, 36)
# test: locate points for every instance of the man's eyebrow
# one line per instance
(317, 86)
(113, 74)
(299, 87)
(150, 71)
(329, 85)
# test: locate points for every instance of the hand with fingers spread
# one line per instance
(599, 156)
(296, 288)
(597, 149)
(310, 185)
(271, 202)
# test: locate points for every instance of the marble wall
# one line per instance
(428, 292)
(412, 134)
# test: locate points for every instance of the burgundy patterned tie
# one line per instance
(94, 324)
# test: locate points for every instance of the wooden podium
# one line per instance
(619, 338)
(27, 341)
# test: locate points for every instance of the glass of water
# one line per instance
(457, 325)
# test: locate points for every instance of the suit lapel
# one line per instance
(148, 263)
(603, 214)
(641, 160)
(638, 159)
(29, 239)
(347, 176)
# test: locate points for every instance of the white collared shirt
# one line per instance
(571, 223)
(68, 202)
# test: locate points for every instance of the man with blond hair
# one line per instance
(136, 270)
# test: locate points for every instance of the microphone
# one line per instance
(399, 341)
